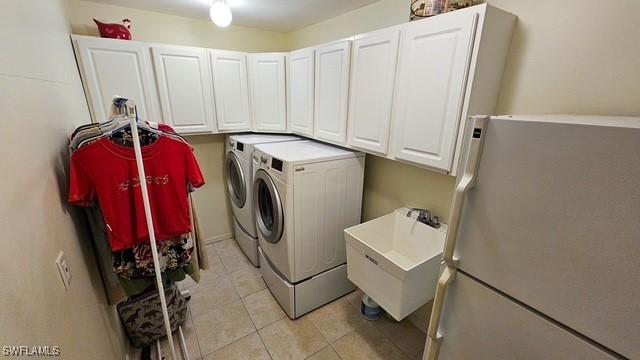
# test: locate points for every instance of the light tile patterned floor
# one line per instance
(234, 316)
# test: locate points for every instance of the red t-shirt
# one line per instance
(108, 172)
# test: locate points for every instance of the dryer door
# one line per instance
(267, 207)
(235, 180)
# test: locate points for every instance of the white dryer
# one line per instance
(305, 194)
(239, 179)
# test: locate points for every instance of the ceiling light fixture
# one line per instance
(220, 13)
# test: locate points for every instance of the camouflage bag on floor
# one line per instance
(142, 315)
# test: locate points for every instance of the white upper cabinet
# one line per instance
(404, 92)
(331, 95)
(184, 85)
(301, 91)
(115, 67)
(373, 70)
(267, 83)
(230, 90)
(432, 72)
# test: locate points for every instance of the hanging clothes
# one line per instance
(137, 262)
(100, 241)
(104, 171)
(101, 170)
(107, 172)
(88, 134)
(201, 260)
(118, 287)
(133, 287)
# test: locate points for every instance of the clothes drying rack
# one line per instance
(128, 108)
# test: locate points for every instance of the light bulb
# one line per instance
(220, 13)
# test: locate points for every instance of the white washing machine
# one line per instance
(239, 178)
(305, 194)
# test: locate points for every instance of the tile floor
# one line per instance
(234, 316)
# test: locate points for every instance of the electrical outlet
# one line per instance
(63, 269)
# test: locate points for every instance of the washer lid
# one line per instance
(305, 152)
(236, 181)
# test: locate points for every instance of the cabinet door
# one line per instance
(230, 90)
(432, 73)
(184, 86)
(332, 86)
(301, 91)
(268, 92)
(114, 67)
(373, 70)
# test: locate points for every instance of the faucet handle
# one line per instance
(425, 215)
(419, 210)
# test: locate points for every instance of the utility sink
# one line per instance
(395, 260)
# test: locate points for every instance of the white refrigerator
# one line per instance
(542, 259)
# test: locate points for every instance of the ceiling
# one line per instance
(276, 15)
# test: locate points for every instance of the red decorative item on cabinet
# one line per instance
(115, 31)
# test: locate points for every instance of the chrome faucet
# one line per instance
(425, 217)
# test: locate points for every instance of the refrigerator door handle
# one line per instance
(466, 182)
(447, 275)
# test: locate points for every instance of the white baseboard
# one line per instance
(221, 237)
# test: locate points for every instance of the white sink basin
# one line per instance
(395, 260)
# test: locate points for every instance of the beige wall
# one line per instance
(375, 16)
(212, 202)
(170, 29)
(391, 184)
(576, 57)
(42, 102)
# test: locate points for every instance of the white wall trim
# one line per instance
(221, 237)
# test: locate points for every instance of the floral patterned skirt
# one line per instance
(137, 262)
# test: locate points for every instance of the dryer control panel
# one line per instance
(276, 164)
(276, 167)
